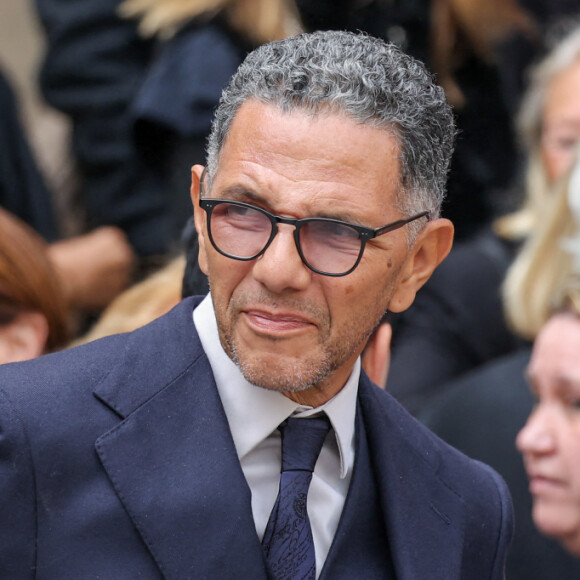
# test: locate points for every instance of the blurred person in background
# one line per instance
(33, 308)
(550, 439)
(93, 268)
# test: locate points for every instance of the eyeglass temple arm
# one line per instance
(400, 223)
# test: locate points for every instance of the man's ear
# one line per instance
(199, 216)
(24, 338)
(431, 247)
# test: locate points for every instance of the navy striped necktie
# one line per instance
(287, 543)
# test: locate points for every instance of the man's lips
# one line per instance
(275, 322)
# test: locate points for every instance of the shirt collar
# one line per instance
(253, 413)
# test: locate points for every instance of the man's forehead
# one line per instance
(327, 159)
(328, 137)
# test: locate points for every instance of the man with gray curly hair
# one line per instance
(376, 85)
(244, 440)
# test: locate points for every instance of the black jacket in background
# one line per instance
(22, 188)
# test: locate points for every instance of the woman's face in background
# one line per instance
(550, 440)
(561, 122)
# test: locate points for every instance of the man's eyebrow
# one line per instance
(241, 193)
(245, 194)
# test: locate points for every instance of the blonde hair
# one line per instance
(259, 21)
(140, 304)
(529, 124)
(535, 281)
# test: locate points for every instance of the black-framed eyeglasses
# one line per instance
(243, 231)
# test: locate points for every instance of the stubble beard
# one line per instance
(288, 378)
(306, 371)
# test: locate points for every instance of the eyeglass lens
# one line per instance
(243, 232)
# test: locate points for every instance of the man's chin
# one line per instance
(285, 388)
(276, 373)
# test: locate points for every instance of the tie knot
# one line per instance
(302, 441)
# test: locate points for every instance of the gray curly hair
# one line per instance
(363, 77)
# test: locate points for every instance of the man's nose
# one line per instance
(280, 267)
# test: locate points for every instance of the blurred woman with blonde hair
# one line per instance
(549, 127)
(548, 258)
(550, 440)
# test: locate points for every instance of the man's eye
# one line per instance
(240, 211)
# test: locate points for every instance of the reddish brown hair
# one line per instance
(28, 281)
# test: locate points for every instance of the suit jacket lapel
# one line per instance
(172, 459)
(360, 548)
(423, 515)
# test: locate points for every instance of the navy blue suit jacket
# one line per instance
(116, 461)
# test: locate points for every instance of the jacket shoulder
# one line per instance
(65, 376)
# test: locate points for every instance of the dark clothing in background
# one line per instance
(481, 414)
(23, 191)
(94, 66)
(195, 282)
(455, 324)
(174, 107)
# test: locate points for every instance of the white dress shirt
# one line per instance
(254, 414)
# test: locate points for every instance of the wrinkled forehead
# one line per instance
(317, 154)
(310, 115)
